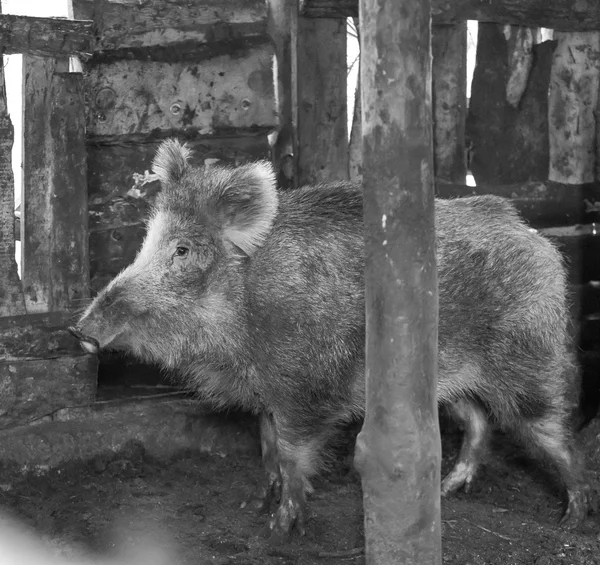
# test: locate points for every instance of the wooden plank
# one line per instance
(580, 245)
(355, 143)
(398, 448)
(283, 23)
(573, 98)
(46, 37)
(120, 196)
(449, 49)
(498, 133)
(55, 270)
(31, 389)
(542, 204)
(37, 336)
(11, 296)
(554, 14)
(322, 104)
(147, 23)
(224, 94)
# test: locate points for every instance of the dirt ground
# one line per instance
(190, 506)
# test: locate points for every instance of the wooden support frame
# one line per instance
(555, 14)
(398, 451)
(47, 37)
(322, 148)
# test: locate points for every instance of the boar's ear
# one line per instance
(248, 205)
(171, 161)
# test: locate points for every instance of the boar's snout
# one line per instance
(88, 343)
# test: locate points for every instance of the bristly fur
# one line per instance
(171, 161)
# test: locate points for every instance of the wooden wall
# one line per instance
(198, 71)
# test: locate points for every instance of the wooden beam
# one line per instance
(283, 24)
(398, 449)
(55, 270)
(11, 295)
(233, 91)
(146, 23)
(554, 14)
(47, 37)
(449, 50)
(322, 103)
(542, 204)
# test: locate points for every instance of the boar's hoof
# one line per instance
(581, 500)
(289, 515)
(268, 491)
(88, 343)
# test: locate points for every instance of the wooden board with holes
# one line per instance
(224, 94)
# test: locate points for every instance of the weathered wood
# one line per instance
(398, 449)
(542, 204)
(449, 49)
(355, 144)
(30, 389)
(120, 195)
(283, 23)
(322, 102)
(55, 268)
(554, 14)
(520, 62)
(573, 99)
(228, 92)
(11, 296)
(508, 145)
(147, 23)
(46, 37)
(37, 336)
(580, 245)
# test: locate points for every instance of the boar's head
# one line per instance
(182, 295)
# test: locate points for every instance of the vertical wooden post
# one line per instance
(55, 269)
(283, 22)
(355, 145)
(449, 49)
(398, 449)
(322, 105)
(572, 102)
(11, 296)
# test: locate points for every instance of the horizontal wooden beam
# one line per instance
(556, 14)
(542, 204)
(46, 37)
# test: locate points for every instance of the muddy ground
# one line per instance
(190, 506)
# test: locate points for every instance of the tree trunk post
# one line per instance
(398, 449)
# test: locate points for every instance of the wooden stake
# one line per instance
(398, 449)
(574, 82)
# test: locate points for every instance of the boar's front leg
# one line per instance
(270, 487)
(298, 456)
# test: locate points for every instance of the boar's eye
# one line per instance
(181, 251)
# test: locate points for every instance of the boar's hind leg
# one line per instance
(552, 438)
(270, 487)
(474, 444)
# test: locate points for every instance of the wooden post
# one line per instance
(572, 102)
(55, 270)
(11, 296)
(322, 105)
(355, 145)
(398, 449)
(449, 48)
(282, 24)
